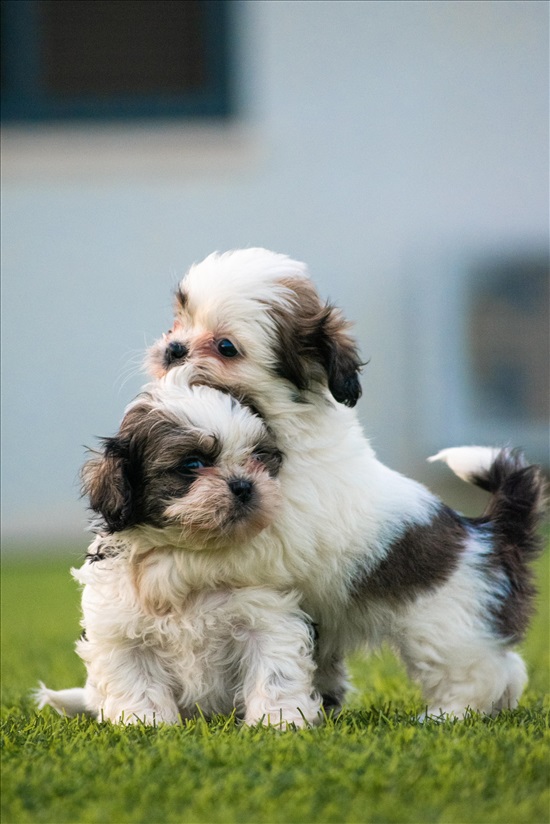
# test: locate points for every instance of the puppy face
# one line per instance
(251, 319)
(191, 462)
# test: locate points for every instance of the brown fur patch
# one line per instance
(313, 344)
(423, 558)
(104, 482)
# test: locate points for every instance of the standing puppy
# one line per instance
(374, 555)
(176, 611)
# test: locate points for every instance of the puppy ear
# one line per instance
(107, 483)
(338, 353)
(313, 343)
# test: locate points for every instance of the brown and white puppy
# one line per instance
(176, 610)
(375, 556)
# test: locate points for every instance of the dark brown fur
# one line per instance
(313, 344)
(512, 518)
(424, 557)
(180, 300)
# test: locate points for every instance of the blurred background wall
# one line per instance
(399, 148)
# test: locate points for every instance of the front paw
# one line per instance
(298, 716)
(147, 716)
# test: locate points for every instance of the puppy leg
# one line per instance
(516, 678)
(457, 661)
(277, 668)
(127, 685)
(486, 685)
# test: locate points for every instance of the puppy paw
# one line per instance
(146, 716)
(283, 718)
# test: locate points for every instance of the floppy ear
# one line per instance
(313, 336)
(107, 481)
(337, 351)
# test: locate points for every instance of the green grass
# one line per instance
(375, 763)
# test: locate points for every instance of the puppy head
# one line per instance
(250, 319)
(192, 464)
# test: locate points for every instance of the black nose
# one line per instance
(176, 351)
(241, 489)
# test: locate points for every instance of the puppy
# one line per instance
(170, 623)
(375, 556)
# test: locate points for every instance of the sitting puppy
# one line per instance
(376, 557)
(188, 484)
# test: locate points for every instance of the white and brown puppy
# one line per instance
(375, 556)
(189, 482)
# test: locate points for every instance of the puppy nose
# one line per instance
(177, 350)
(241, 489)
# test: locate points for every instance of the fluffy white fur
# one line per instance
(158, 642)
(343, 512)
(373, 556)
(216, 651)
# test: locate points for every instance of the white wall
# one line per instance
(371, 137)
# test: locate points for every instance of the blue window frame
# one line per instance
(114, 59)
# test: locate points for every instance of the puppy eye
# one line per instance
(191, 464)
(227, 349)
(177, 350)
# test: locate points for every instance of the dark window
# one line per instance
(105, 59)
(509, 340)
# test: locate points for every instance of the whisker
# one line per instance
(132, 367)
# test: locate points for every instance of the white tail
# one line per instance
(65, 702)
(467, 461)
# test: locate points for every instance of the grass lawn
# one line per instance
(375, 763)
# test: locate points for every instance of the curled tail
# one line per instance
(512, 517)
(517, 489)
